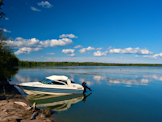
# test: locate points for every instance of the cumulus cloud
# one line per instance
(20, 42)
(33, 42)
(27, 46)
(56, 43)
(45, 4)
(27, 50)
(84, 50)
(70, 52)
(131, 51)
(78, 46)
(51, 53)
(99, 53)
(5, 30)
(68, 35)
(156, 56)
(35, 9)
(90, 48)
(67, 51)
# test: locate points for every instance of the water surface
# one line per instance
(120, 94)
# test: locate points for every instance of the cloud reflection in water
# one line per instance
(144, 80)
(128, 82)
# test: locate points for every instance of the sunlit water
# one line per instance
(120, 94)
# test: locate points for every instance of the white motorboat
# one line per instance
(55, 84)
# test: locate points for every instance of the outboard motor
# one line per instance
(85, 87)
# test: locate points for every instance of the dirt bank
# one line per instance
(11, 112)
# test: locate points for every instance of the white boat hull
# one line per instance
(52, 91)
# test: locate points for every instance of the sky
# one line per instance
(107, 31)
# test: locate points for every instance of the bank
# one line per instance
(11, 112)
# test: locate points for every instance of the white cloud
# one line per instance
(131, 51)
(45, 4)
(60, 42)
(115, 50)
(5, 30)
(156, 56)
(20, 42)
(90, 48)
(6, 18)
(78, 46)
(56, 43)
(99, 48)
(35, 9)
(27, 50)
(51, 53)
(70, 52)
(33, 42)
(68, 35)
(99, 53)
(83, 50)
(26, 46)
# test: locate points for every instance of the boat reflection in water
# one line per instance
(56, 103)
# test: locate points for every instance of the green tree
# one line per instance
(7, 59)
(1, 13)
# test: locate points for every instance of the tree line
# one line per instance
(33, 64)
(8, 60)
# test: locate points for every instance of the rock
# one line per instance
(34, 115)
(6, 111)
(21, 103)
(47, 112)
(43, 115)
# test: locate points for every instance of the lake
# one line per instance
(119, 94)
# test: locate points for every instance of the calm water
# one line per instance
(120, 94)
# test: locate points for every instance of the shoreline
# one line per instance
(11, 112)
(35, 64)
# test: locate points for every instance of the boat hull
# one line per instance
(52, 91)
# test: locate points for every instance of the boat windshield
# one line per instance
(63, 81)
(72, 81)
(48, 81)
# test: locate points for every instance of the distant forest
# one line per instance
(32, 64)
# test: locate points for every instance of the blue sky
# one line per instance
(109, 31)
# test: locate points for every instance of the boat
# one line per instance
(54, 85)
